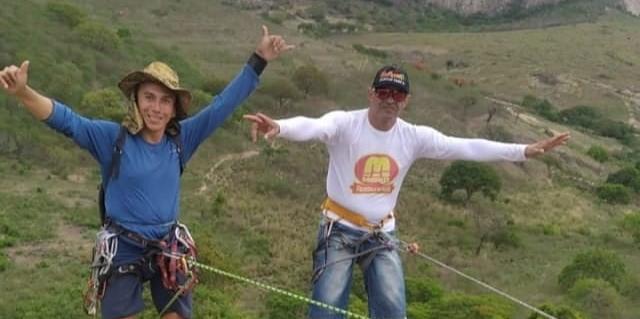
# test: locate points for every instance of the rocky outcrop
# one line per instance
(467, 7)
(633, 6)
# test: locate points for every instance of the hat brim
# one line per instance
(392, 84)
(131, 81)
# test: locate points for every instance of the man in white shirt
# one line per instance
(370, 153)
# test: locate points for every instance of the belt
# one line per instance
(353, 217)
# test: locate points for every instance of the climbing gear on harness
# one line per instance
(105, 249)
(353, 217)
(114, 169)
(167, 256)
(363, 258)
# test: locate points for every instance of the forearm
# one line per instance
(301, 129)
(37, 104)
(483, 150)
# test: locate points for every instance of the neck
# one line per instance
(151, 137)
(382, 123)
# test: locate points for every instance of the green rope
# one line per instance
(278, 290)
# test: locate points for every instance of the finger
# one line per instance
(4, 83)
(265, 119)
(12, 73)
(252, 118)
(265, 31)
(288, 47)
(271, 134)
(24, 68)
(254, 132)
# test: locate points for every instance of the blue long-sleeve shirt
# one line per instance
(145, 198)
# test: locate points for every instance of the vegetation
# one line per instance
(253, 209)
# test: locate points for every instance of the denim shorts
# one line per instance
(123, 294)
(382, 269)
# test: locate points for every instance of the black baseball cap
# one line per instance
(391, 75)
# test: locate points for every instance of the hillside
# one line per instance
(253, 209)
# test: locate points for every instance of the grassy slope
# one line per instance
(264, 227)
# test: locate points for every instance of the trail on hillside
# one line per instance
(208, 178)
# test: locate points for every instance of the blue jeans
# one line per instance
(382, 269)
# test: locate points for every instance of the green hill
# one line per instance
(253, 209)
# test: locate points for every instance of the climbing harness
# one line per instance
(167, 256)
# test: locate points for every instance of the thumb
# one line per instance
(265, 31)
(24, 67)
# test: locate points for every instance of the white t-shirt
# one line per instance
(367, 166)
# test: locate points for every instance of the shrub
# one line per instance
(614, 193)
(598, 153)
(595, 264)
(631, 224)
(598, 297)
(560, 312)
(98, 36)
(66, 13)
(310, 80)
(628, 176)
(104, 103)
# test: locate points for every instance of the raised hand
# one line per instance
(546, 145)
(262, 124)
(271, 46)
(13, 79)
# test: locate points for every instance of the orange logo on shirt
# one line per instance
(374, 174)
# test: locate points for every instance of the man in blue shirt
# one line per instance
(141, 199)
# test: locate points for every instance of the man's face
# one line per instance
(387, 101)
(157, 106)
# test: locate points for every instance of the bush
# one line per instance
(470, 177)
(597, 297)
(66, 13)
(310, 80)
(98, 36)
(631, 224)
(370, 51)
(543, 108)
(598, 153)
(457, 306)
(628, 176)
(104, 103)
(595, 264)
(614, 194)
(584, 116)
(560, 312)
(422, 290)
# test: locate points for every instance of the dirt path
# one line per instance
(68, 241)
(208, 178)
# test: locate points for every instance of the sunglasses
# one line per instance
(384, 94)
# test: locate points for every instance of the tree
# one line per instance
(282, 90)
(470, 177)
(560, 312)
(596, 264)
(104, 103)
(310, 80)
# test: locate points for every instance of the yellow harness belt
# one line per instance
(353, 217)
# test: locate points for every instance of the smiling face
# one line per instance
(157, 105)
(385, 106)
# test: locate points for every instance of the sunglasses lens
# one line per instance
(398, 96)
